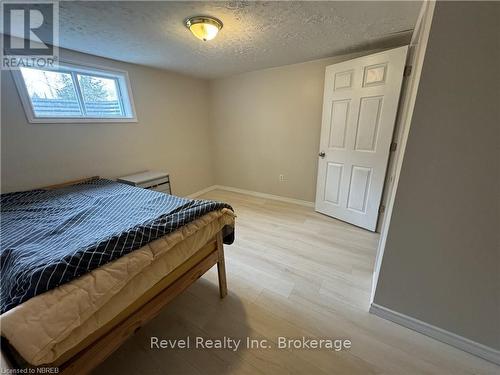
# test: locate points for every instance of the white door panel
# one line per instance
(333, 182)
(359, 111)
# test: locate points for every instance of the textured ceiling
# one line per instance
(255, 34)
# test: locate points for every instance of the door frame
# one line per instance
(415, 59)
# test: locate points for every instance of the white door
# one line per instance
(359, 111)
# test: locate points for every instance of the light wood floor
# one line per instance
(291, 272)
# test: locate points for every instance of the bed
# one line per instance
(86, 264)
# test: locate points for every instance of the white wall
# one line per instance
(442, 256)
(172, 135)
(266, 123)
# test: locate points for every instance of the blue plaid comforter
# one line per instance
(50, 237)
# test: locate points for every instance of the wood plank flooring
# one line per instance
(295, 273)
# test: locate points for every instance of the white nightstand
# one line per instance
(158, 181)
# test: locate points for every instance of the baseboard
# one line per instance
(202, 191)
(266, 196)
(252, 193)
(437, 333)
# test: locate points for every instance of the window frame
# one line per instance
(123, 86)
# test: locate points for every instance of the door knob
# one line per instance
(321, 154)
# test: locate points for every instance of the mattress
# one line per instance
(50, 237)
(47, 327)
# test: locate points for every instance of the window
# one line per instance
(74, 93)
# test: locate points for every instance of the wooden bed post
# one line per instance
(221, 266)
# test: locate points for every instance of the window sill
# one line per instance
(86, 120)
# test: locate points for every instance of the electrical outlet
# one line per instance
(282, 177)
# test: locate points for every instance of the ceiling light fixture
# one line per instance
(204, 27)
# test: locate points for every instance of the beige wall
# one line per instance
(172, 135)
(442, 257)
(266, 123)
(242, 131)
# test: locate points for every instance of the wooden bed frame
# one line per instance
(97, 349)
